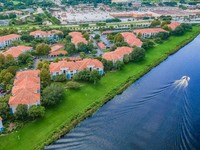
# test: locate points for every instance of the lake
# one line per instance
(152, 114)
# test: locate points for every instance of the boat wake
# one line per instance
(183, 82)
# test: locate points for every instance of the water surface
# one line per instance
(152, 114)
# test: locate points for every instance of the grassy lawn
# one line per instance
(76, 102)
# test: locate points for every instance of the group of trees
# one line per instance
(88, 76)
(6, 31)
(9, 16)
(23, 112)
(180, 30)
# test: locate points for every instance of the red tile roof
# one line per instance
(77, 37)
(174, 25)
(131, 39)
(117, 54)
(57, 49)
(149, 30)
(26, 88)
(101, 45)
(16, 51)
(9, 37)
(78, 65)
(44, 33)
(74, 58)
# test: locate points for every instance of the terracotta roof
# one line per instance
(174, 25)
(117, 54)
(9, 37)
(57, 49)
(101, 45)
(44, 33)
(149, 30)
(77, 37)
(26, 88)
(78, 65)
(131, 39)
(74, 58)
(16, 51)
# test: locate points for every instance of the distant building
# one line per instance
(131, 39)
(26, 89)
(77, 37)
(50, 35)
(57, 49)
(17, 50)
(174, 25)
(1, 125)
(4, 22)
(121, 1)
(8, 39)
(118, 54)
(149, 32)
(70, 68)
(12, 12)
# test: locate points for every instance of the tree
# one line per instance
(155, 23)
(6, 77)
(178, 31)
(147, 44)
(25, 58)
(9, 61)
(45, 77)
(52, 95)
(27, 37)
(137, 54)
(83, 75)
(21, 112)
(108, 65)
(42, 49)
(72, 85)
(70, 47)
(94, 76)
(126, 59)
(82, 47)
(118, 38)
(36, 111)
(118, 65)
(163, 35)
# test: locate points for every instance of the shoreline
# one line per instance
(90, 110)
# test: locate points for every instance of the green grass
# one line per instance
(76, 102)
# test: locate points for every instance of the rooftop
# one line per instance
(78, 65)
(117, 54)
(9, 37)
(16, 51)
(131, 39)
(26, 88)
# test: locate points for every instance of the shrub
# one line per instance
(52, 94)
(60, 78)
(36, 111)
(138, 54)
(72, 85)
(21, 112)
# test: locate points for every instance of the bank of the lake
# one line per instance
(80, 104)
